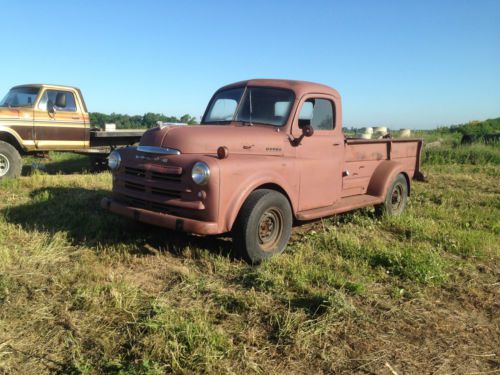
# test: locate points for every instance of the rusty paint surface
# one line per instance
(324, 175)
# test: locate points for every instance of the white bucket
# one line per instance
(364, 136)
(405, 133)
(110, 127)
(380, 129)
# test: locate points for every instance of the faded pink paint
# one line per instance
(312, 175)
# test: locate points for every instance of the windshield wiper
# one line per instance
(251, 108)
(252, 123)
(219, 122)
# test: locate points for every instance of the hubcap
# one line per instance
(270, 229)
(397, 197)
(4, 165)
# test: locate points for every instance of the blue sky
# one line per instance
(416, 64)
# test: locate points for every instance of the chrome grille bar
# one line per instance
(158, 150)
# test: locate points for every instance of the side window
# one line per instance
(319, 113)
(61, 100)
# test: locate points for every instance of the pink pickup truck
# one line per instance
(267, 154)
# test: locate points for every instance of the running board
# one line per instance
(343, 205)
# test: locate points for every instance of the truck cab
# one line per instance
(43, 117)
(267, 153)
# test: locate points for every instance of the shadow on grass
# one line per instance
(77, 212)
(78, 164)
(61, 163)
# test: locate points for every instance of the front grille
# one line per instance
(136, 172)
(134, 186)
(174, 176)
(135, 202)
(161, 183)
(165, 177)
(166, 192)
(147, 205)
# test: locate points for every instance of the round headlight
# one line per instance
(200, 173)
(114, 160)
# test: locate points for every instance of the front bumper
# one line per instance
(160, 219)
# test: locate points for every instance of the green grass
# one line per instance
(86, 292)
(476, 154)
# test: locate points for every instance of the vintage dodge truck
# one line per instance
(40, 118)
(268, 153)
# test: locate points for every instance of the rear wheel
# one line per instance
(396, 197)
(263, 226)
(10, 161)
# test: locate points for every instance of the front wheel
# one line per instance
(396, 197)
(263, 226)
(10, 161)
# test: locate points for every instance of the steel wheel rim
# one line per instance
(269, 229)
(397, 197)
(4, 165)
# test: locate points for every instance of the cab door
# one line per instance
(319, 157)
(24, 126)
(58, 121)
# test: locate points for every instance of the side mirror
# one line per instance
(51, 108)
(307, 131)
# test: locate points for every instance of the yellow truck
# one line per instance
(38, 118)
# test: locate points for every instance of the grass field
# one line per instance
(84, 291)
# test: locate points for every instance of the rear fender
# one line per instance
(384, 175)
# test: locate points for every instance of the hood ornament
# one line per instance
(163, 125)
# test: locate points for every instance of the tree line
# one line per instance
(476, 128)
(148, 120)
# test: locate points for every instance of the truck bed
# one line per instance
(363, 156)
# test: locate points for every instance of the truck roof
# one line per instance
(47, 85)
(299, 87)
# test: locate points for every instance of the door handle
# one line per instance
(336, 144)
(75, 118)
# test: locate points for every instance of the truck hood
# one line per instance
(9, 113)
(205, 139)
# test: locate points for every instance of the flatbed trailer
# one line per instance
(111, 139)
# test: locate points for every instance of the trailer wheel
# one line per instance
(10, 161)
(396, 198)
(263, 226)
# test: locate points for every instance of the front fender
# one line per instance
(245, 185)
(14, 134)
(383, 176)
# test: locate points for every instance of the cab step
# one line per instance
(343, 205)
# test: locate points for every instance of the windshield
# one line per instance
(20, 97)
(262, 105)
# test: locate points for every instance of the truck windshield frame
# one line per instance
(250, 105)
(21, 97)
